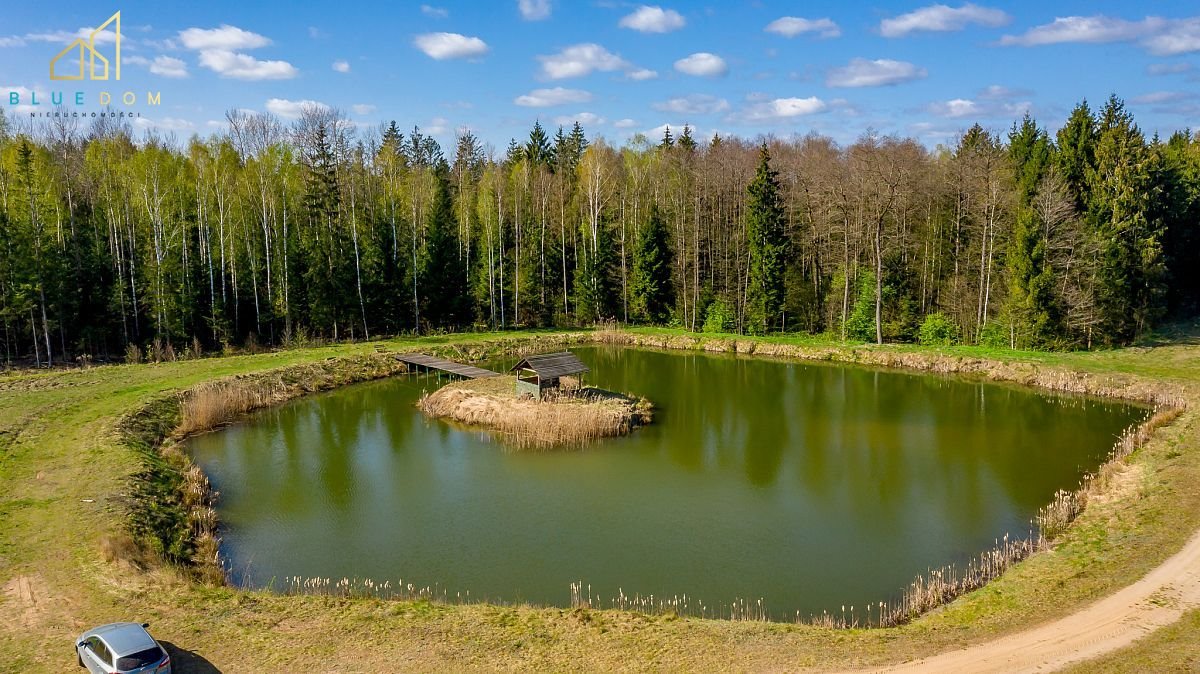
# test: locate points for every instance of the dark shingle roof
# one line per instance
(549, 365)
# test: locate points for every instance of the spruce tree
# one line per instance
(766, 236)
(537, 150)
(1076, 155)
(1130, 280)
(326, 286)
(595, 289)
(1030, 305)
(685, 139)
(447, 300)
(651, 295)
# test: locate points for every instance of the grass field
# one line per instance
(64, 481)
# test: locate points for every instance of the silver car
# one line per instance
(124, 648)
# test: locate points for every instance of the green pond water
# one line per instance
(810, 486)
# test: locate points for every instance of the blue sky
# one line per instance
(747, 68)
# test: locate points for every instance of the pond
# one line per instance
(808, 485)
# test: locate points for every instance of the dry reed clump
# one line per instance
(570, 418)
(210, 405)
(171, 514)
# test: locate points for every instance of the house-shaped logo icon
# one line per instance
(89, 55)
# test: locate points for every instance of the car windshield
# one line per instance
(139, 659)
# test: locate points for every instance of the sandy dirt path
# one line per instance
(1157, 600)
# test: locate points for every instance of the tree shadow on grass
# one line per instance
(184, 661)
(1173, 334)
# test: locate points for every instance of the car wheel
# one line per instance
(79, 658)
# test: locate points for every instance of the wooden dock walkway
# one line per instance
(433, 363)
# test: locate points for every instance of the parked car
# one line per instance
(121, 648)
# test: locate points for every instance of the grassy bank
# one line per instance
(66, 467)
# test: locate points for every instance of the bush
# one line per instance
(860, 324)
(938, 330)
(718, 317)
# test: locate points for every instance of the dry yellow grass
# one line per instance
(573, 417)
(208, 406)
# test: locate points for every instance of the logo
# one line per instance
(89, 54)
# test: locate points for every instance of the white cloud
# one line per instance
(1158, 97)
(542, 98)
(362, 108)
(996, 92)
(584, 118)
(434, 12)
(861, 72)
(437, 126)
(293, 109)
(534, 10)
(579, 60)
(341, 66)
(783, 109)
(443, 46)
(992, 103)
(245, 67)
(694, 104)
(626, 123)
(25, 95)
(12, 41)
(702, 64)
(227, 38)
(168, 124)
(641, 74)
(791, 26)
(217, 45)
(168, 66)
(653, 19)
(106, 36)
(1168, 68)
(954, 108)
(676, 129)
(941, 18)
(1159, 36)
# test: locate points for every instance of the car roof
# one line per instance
(125, 638)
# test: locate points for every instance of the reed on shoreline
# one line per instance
(194, 525)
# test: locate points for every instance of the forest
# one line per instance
(119, 247)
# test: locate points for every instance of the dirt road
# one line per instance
(1118, 620)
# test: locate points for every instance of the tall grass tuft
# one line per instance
(211, 405)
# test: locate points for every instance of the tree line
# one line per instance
(274, 234)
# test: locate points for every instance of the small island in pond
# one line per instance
(544, 405)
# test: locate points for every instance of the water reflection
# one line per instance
(810, 485)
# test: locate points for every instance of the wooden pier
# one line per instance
(442, 365)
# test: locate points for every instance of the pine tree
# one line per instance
(447, 300)
(1030, 305)
(595, 288)
(1178, 183)
(651, 294)
(766, 237)
(579, 141)
(325, 286)
(686, 141)
(1076, 152)
(668, 141)
(537, 150)
(1130, 280)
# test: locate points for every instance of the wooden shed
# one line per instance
(536, 374)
